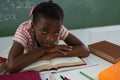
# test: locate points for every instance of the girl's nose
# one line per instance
(49, 38)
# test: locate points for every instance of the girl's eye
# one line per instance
(56, 33)
(44, 31)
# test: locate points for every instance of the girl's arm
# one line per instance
(79, 49)
(17, 60)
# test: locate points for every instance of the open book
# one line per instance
(55, 64)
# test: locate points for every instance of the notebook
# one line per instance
(28, 75)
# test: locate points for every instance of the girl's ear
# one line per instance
(32, 25)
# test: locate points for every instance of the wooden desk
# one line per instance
(92, 71)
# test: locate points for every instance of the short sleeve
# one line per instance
(63, 33)
(21, 36)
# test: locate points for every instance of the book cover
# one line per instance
(2, 59)
(110, 73)
(3, 65)
(55, 64)
(106, 50)
(28, 75)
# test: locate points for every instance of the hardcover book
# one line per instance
(106, 50)
(111, 73)
(3, 65)
(28, 75)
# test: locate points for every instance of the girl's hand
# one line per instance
(59, 49)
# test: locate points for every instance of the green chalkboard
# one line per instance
(78, 13)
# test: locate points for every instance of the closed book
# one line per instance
(3, 65)
(28, 75)
(2, 62)
(106, 50)
(110, 73)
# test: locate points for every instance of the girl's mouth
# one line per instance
(47, 45)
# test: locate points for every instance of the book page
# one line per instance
(88, 60)
(66, 61)
(39, 65)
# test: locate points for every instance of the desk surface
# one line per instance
(92, 71)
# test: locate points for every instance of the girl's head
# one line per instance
(46, 22)
(47, 10)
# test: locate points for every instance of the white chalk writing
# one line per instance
(7, 17)
(14, 6)
(25, 4)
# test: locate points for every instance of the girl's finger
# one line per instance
(62, 52)
(68, 48)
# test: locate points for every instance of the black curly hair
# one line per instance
(47, 10)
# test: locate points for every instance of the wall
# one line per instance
(78, 13)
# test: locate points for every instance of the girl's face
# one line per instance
(47, 32)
